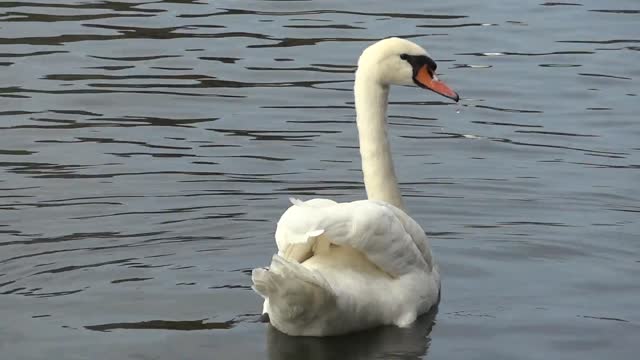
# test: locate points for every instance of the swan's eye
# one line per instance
(431, 65)
(404, 56)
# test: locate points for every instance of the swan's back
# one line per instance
(384, 234)
(361, 264)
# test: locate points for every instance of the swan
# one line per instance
(344, 267)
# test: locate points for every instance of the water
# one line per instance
(148, 148)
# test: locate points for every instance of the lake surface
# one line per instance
(147, 150)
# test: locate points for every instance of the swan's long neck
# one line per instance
(377, 165)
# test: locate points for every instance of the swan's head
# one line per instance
(395, 61)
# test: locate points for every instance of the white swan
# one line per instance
(343, 267)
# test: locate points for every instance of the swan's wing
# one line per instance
(385, 234)
(293, 241)
(417, 234)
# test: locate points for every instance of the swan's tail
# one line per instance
(294, 292)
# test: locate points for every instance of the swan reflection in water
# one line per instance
(380, 343)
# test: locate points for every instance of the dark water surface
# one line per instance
(148, 148)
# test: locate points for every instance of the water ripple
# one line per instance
(184, 325)
(319, 12)
(150, 147)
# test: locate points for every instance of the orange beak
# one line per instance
(424, 79)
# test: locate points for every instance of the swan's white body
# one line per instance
(343, 267)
